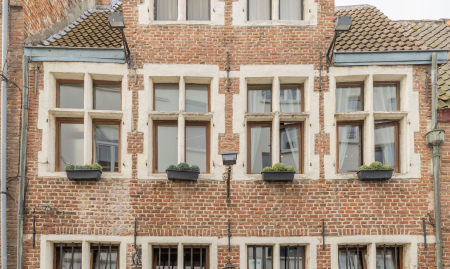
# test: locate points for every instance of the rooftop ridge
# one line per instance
(351, 6)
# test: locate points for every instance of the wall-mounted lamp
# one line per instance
(116, 20)
(343, 24)
(229, 265)
(229, 158)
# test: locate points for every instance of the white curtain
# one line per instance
(103, 259)
(290, 101)
(389, 260)
(348, 99)
(385, 98)
(198, 10)
(385, 139)
(259, 10)
(351, 260)
(343, 143)
(67, 259)
(259, 101)
(291, 9)
(166, 10)
(292, 135)
(255, 136)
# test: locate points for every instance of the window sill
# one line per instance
(184, 23)
(389, 115)
(293, 116)
(106, 114)
(105, 175)
(67, 112)
(173, 115)
(278, 23)
(259, 116)
(163, 177)
(359, 115)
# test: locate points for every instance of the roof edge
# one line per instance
(69, 54)
(406, 57)
(351, 6)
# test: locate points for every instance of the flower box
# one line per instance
(278, 175)
(382, 174)
(182, 175)
(84, 175)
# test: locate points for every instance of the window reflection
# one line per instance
(107, 146)
(259, 98)
(196, 98)
(71, 144)
(385, 97)
(348, 98)
(166, 97)
(107, 96)
(289, 145)
(259, 257)
(385, 139)
(105, 259)
(260, 148)
(290, 98)
(67, 261)
(350, 148)
(196, 146)
(71, 95)
(167, 146)
(291, 257)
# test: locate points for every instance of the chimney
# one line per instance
(447, 22)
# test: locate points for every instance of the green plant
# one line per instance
(69, 166)
(172, 167)
(387, 167)
(376, 166)
(268, 169)
(363, 167)
(195, 168)
(78, 167)
(290, 168)
(87, 167)
(97, 166)
(279, 167)
(183, 167)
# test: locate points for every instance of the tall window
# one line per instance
(69, 142)
(259, 146)
(350, 156)
(107, 141)
(68, 256)
(198, 10)
(196, 257)
(260, 257)
(259, 98)
(70, 94)
(292, 257)
(165, 257)
(166, 10)
(291, 9)
(259, 10)
(386, 96)
(166, 97)
(386, 143)
(197, 144)
(349, 97)
(165, 147)
(107, 95)
(291, 144)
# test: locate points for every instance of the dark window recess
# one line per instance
(165, 257)
(195, 257)
(389, 257)
(260, 257)
(292, 257)
(352, 257)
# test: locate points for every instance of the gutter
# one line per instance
(73, 54)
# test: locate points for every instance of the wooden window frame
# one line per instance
(399, 254)
(63, 81)
(263, 263)
(249, 142)
(362, 250)
(157, 123)
(397, 85)
(58, 123)
(207, 125)
(353, 83)
(187, 11)
(155, 259)
(361, 137)
(107, 122)
(106, 82)
(57, 246)
(154, 93)
(300, 142)
(303, 251)
(271, 95)
(302, 6)
(302, 94)
(209, 96)
(248, 10)
(197, 246)
(396, 124)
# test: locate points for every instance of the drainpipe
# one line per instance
(3, 127)
(23, 163)
(435, 138)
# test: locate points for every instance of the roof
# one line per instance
(91, 30)
(373, 31)
(434, 35)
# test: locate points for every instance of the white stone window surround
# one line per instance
(276, 75)
(182, 74)
(408, 117)
(87, 72)
(217, 13)
(310, 10)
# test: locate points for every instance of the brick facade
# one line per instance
(200, 209)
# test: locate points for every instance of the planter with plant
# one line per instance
(279, 172)
(86, 172)
(375, 171)
(183, 171)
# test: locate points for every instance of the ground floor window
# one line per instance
(260, 257)
(195, 257)
(69, 256)
(292, 257)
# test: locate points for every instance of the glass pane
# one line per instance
(385, 144)
(349, 148)
(390, 261)
(385, 98)
(165, 263)
(198, 10)
(166, 97)
(348, 98)
(259, 99)
(268, 257)
(196, 98)
(259, 10)
(167, 146)
(107, 146)
(72, 144)
(251, 258)
(107, 97)
(67, 258)
(260, 148)
(290, 98)
(259, 256)
(291, 9)
(354, 262)
(291, 258)
(106, 259)
(71, 95)
(289, 147)
(195, 254)
(166, 10)
(196, 146)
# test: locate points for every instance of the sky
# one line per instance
(407, 9)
